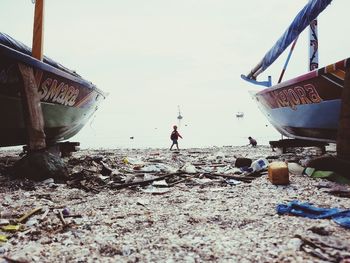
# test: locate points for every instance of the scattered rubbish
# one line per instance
(329, 175)
(189, 168)
(243, 162)
(319, 230)
(65, 211)
(200, 185)
(324, 247)
(155, 190)
(260, 164)
(160, 183)
(4, 221)
(340, 216)
(295, 168)
(11, 228)
(29, 214)
(3, 238)
(278, 173)
(232, 182)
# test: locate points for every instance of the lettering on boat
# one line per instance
(53, 91)
(293, 96)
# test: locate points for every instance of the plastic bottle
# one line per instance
(260, 164)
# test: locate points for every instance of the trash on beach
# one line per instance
(11, 228)
(232, 182)
(340, 216)
(155, 190)
(329, 175)
(243, 162)
(160, 183)
(295, 168)
(189, 168)
(3, 238)
(260, 164)
(278, 173)
(29, 214)
(324, 247)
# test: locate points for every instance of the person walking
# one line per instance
(252, 141)
(174, 137)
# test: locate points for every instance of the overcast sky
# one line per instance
(151, 56)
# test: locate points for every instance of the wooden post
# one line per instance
(343, 137)
(38, 30)
(32, 109)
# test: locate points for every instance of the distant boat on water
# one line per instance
(179, 116)
(308, 106)
(239, 114)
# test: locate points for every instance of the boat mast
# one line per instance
(38, 30)
(313, 49)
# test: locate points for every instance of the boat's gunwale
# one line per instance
(17, 55)
(340, 65)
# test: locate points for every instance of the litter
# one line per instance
(11, 228)
(3, 238)
(155, 190)
(341, 217)
(232, 182)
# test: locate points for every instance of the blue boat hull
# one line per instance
(307, 107)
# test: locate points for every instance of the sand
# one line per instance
(203, 218)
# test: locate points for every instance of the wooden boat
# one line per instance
(239, 114)
(67, 100)
(308, 106)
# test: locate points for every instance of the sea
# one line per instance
(199, 130)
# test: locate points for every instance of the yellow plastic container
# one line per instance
(278, 173)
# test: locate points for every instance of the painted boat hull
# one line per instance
(306, 107)
(67, 100)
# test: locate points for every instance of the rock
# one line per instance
(39, 166)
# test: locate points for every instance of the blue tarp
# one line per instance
(300, 22)
(340, 216)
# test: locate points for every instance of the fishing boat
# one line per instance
(239, 114)
(67, 100)
(308, 106)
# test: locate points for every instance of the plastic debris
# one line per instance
(295, 168)
(189, 168)
(11, 228)
(232, 182)
(260, 164)
(155, 190)
(3, 238)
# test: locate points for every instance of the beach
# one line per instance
(198, 216)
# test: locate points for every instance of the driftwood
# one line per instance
(145, 182)
(247, 179)
(182, 180)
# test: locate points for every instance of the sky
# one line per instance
(157, 55)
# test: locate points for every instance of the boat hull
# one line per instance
(307, 107)
(67, 100)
